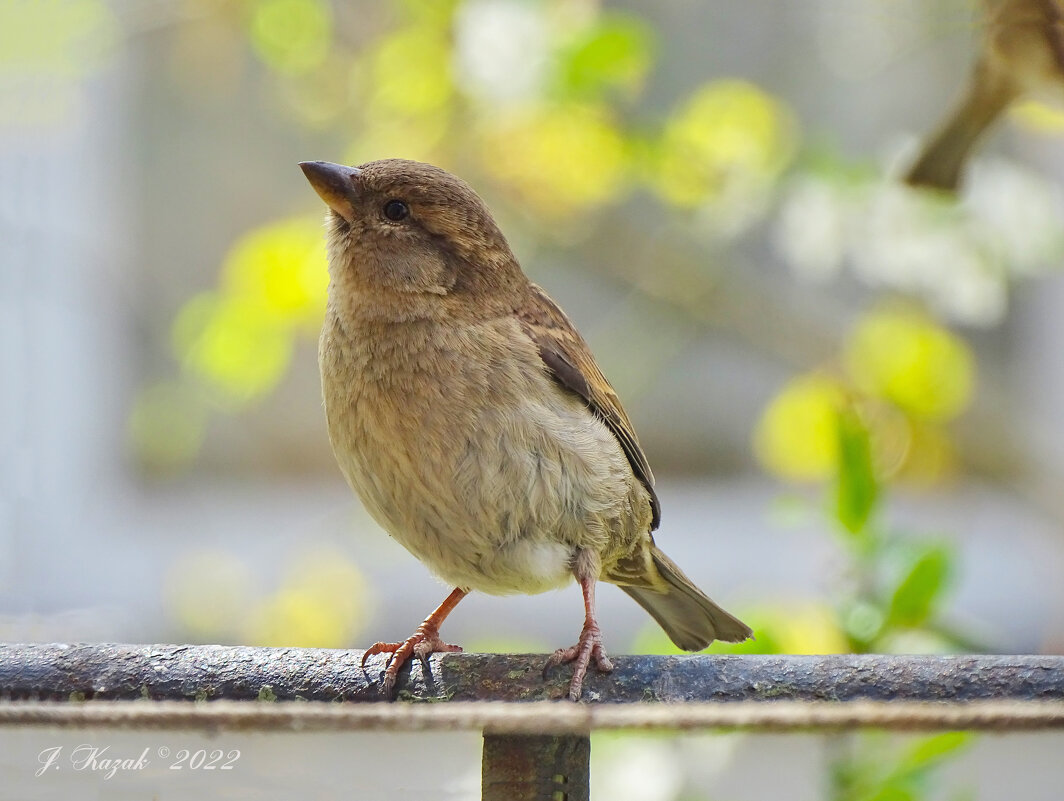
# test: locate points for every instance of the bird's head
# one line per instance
(405, 228)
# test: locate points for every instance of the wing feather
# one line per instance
(569, 361)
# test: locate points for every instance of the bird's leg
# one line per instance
(589, 645)
(425, 640)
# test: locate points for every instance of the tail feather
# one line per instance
(687, 615)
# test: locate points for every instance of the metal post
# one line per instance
(534, 767)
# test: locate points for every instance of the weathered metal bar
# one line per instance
(538, 749)
(204, 672)
(532, 767)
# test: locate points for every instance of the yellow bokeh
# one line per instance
(411, 72)
(291, 36)
(797, 435)
(231, 344)
(1038, 117)
(274, 284)
(728, 131)
(908, 359)
(296, 618)
(810, 628)
(560, 159)
(281, 268)
(322, 603)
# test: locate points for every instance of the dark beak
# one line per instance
(334, 183)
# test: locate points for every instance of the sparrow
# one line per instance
(470, 417)
(1022, 53)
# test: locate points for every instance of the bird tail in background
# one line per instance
(943, 158)
(691, 619)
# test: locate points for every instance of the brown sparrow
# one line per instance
(471, 419)
(1022, 53)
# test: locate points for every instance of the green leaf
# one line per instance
(915, 596)
(880, 770)
(862, 622)
(928, 752)
(892, 792)
(857, 490)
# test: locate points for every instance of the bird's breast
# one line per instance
(466, 452)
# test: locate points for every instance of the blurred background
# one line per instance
(849, 389)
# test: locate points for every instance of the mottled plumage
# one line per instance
(470, 417)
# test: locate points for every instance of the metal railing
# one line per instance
(535, 745)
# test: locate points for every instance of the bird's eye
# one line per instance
(396, 210)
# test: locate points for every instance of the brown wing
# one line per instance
(569, 361)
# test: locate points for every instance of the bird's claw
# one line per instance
(587, 648)
(425, 641)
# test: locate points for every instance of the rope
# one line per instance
(537, 717)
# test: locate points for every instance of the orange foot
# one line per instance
(426, 640)
(590, 645)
